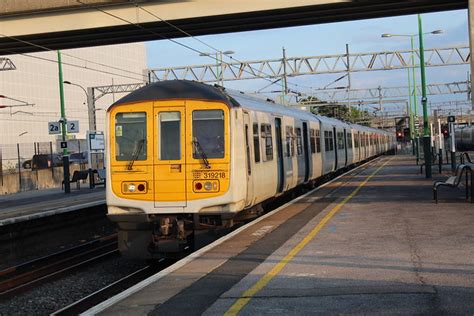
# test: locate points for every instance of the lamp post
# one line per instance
(424, 102)
(413, 92)
(219, 63)
(90, 109)
(62, 120)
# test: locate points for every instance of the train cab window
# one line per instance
(130, 136)
(299, 142)
(312, 140)
(256, 143)
(290, 150)
(169, 131)
(266, 134)
(208, 131)
(340, 140)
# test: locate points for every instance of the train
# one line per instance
(185, 156)
(464, 137)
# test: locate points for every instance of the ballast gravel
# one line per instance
(50, 297)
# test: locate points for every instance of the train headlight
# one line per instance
(135, 187)
(208, 186)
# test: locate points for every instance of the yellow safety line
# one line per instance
(247, 295)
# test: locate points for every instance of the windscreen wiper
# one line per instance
(201, 153)
(136, 153)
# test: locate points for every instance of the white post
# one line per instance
(440, 135)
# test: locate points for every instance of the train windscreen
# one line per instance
(208, 132)
(130, 136)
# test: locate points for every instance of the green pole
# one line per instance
(424, 102)
(410, 113)
(67, 187)
(415, 101)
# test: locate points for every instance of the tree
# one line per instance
(338, 111)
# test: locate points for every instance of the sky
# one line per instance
(326, 39)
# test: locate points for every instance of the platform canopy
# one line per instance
(60, 24)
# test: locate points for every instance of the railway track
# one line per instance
(112, 289)
(25, 276)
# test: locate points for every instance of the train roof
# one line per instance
(175, 90)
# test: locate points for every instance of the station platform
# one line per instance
(30, 205)
(370, 242)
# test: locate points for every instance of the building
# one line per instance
(35, 81)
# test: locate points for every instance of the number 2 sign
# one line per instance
(73, 126)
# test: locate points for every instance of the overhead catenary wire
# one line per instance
(162, 36)
(68, 55)
(210, 46)
(73, 65)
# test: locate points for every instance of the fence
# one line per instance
(34, 166)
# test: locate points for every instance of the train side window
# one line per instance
(331, 142)
(299, 142)
(349, 140)
(326, 145)
(170, 135)
(247, 147)
(288, 137)
(340, 140)
(328, 141)
(130, 136)
(266, 134)
(318, 141)
(312, 140)
(256, 143)
(208, 131)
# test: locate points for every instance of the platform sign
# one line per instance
(96, 141)
(451, 119)
(96, 149)
(63, 145)
(54, 128)
(73, 126)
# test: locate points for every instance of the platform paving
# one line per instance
(39, 203)
(386, 249)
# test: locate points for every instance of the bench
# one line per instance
(101, 174)
(76, 177)
(453, 181)
(465, 158)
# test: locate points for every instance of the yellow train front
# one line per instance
(169, 166)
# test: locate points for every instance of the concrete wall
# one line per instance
(34, 180)
(8, 7)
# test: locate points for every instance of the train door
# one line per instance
(169, 161)
(307, 152)
(345, 146)
(335, 147)
(359, 142)
(248, 159)
(279, 144)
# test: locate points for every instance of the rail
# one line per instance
(24, 276)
